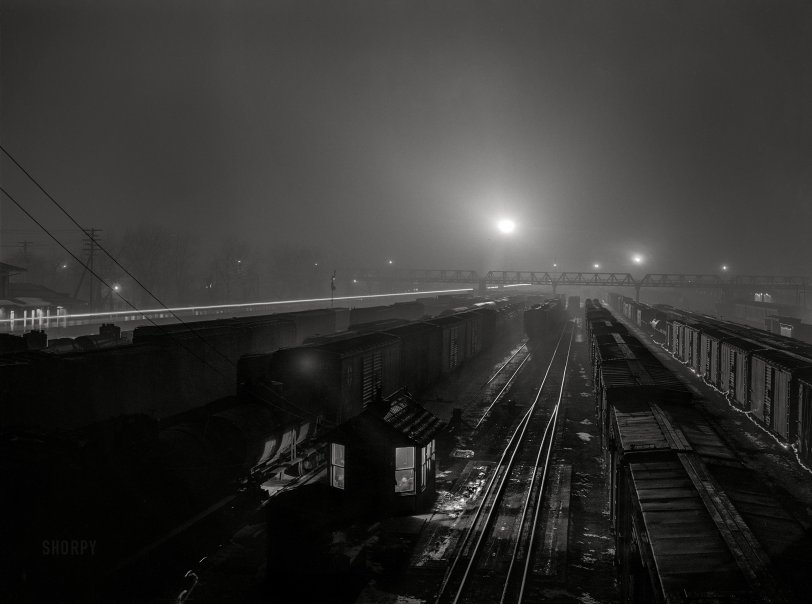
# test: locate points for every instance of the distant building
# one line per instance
(383, 460)
(29, 305)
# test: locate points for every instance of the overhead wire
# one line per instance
(130, 304)
(109, 255)
(101, 280)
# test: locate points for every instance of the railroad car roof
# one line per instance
(358, 343)
(742, 344)
(412, 328)
(400, 416)
(625, 373)
(784, 359)
(448, 320)
(690, 554)
(638, 431)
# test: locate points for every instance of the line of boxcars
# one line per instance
(692, 522)
(166, 370)
(765, 374)
(340, 375)
(112, 461)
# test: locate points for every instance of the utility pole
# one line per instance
(24, 245)
(91, 244)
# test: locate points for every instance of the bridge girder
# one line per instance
(604, 279)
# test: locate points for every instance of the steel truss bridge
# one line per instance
(727, 284)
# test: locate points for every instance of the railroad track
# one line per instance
(513, 358)
(494, 559)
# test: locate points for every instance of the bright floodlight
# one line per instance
(637, 259)
(596, 265)
(506, 226)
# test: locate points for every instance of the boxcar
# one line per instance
(774, 390)
(669, 546)
(804, 440)
(622, 380)
(734, 374)
(544, 321)
(421, 354)
(339, 378)
(453, 344)
(710, 351)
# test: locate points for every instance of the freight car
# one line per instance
(676, 487)
(774, 390)
(759, 372)
(543, 322)
(337, 378)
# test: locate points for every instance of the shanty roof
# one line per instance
(400, 415)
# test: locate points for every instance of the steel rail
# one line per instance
(531, 540)
(502, 391)
(498, 371)
(511, 449)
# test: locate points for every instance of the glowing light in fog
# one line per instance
(596, 265)
(637, 259)
(506, 226)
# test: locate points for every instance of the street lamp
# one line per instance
(637, 259)
(506, 226)
(724, 267)
(596, 266)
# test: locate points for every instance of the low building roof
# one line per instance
(399, 415)
(10, 269)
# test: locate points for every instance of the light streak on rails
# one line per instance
(146, 314)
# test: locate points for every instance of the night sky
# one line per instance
(375, 130)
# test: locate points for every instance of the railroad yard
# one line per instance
(577, 460)
(523, 507)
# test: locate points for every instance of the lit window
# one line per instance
(424, 465)
(404, 470)
(337, 465)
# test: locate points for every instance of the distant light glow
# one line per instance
(506, 226)
(391, 261)
(152, 311)
(509, 285)
(637, 259)
(355, 280)
(116, 287)
(724, 267)
(596, 266)
(555, 265)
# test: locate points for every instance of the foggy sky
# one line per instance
(403, 130)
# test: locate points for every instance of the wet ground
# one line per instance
(576, 545)
(404, 559)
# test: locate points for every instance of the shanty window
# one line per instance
(424, 467)
(337, 465)
(404, 470)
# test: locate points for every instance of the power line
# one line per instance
(92, 272)
(90, 233)
(95, 243)
(131, 305)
